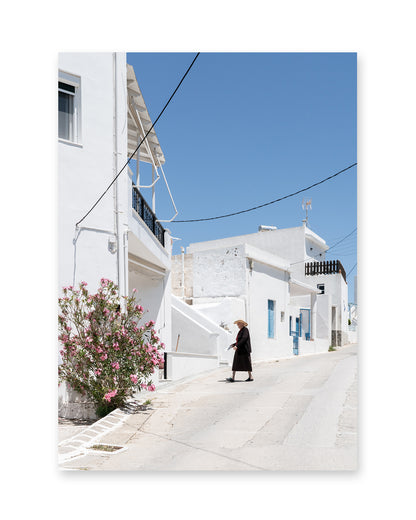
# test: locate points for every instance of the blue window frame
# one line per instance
(270, 314)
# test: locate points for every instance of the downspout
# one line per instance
(126, 261)
(118, 234)
(115, 165)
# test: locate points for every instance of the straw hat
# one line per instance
(241, 321)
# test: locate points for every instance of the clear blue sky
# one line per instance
(248, 128)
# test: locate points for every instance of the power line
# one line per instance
(271, 202)
(351, 270)
(332, 247)
(342, 240)
(141, 142)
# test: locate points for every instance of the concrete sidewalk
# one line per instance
(297, 414)
(76, 436)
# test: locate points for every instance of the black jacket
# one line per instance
(243, 343)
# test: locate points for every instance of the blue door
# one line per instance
(296, 333)
(295, 345)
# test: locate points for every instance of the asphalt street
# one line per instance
(298, 414)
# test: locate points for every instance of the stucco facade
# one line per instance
(260, 277)
(112, 241)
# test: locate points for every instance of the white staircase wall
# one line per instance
(198, 334)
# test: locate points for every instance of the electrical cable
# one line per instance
(332, 247)
(351, 270)
(268, 203)
(141, 142)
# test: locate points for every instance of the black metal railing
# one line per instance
(142, 208)
(326, 267)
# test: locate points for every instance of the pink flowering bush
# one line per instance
(106, 354)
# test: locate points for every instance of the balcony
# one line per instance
(326, 267)
(149, 218)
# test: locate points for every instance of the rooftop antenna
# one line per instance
(306, 204)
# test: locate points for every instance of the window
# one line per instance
(321, 287)
(69, 107)
(270, 313)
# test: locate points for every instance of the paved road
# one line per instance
(298, 414)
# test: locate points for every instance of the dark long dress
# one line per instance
(242, 358)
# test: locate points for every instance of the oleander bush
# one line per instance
(106, 353)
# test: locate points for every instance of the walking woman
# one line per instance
(242, 347)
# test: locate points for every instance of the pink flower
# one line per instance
(116, 366)
(133, 378)
(97, 372)
(109, 395)
(134, 290)
(151, 388)
(103, 357)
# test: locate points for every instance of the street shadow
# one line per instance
(134, 407)
(75, 422)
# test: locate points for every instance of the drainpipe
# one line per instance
(126, 260)
(115, 169)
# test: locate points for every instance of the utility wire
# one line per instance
(271, 202)
(141, 142)
(332, 247)
(351, 270)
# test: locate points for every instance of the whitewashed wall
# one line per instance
(323, 316)
(287, 243)
(338, 289)
(198, 333)
(223, 311)
(86, 169)
(151, 295)
(267, 283)
(219, 272)
(181, 365)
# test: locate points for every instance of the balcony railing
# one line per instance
(327, 267)
(143, 209)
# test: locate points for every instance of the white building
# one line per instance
(277, 280)
(102, 118)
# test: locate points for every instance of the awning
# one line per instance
(297, 288)
(139, 123)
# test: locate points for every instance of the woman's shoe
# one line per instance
(230, 379)
(249, 379)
